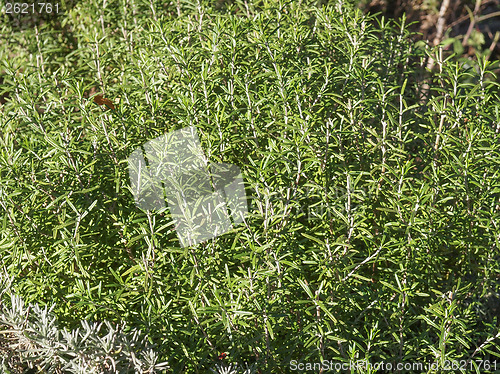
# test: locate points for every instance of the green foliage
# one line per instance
(92, 348)
(373, 226)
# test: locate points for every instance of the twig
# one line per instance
(472, 23)
(435, 42)
(441, 122)
(493, 44)
(439, 29)
(489, 15)
(362, 263)
(486, 342)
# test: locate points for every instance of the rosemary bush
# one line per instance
(373, 227)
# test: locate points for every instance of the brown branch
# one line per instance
(437, 39)
(439, 29)
(493, 44)
(472, 23)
